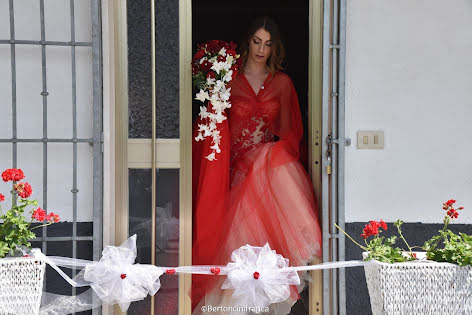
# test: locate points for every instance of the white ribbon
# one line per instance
(258, 275)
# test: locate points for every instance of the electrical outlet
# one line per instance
(370, 139)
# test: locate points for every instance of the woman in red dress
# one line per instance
(256, 191)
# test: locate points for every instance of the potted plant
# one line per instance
(402, 281)
(21, 277)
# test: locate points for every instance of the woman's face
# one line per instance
(260, 46)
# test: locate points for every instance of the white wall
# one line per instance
(29, 101)
(409, 73)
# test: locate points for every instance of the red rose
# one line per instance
(206, 65)
(231, 52)
(2, 197)
(199, 55)
(213, 46)
(211, 75)
(39, 214)
(221, 58)
(13, 174)
(24, 190)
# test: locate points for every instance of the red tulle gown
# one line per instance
(256, 191)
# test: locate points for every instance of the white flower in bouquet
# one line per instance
(202, 96)
(228, 76)
(213, 66)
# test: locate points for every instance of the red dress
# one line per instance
(256, 191)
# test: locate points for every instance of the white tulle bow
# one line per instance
(259, 276)
(116, 279)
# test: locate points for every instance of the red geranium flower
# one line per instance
(383, 224)
(372, 228)
(13, 174)
(52, 217)
(450, 202)
(24, 190)
(2, 197)
(453, 214)
(39, 214)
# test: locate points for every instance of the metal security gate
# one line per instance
(71, 140)
(334, 24)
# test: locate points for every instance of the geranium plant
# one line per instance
(15, 227)
(445, 247)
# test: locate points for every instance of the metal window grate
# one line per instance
(95, 141)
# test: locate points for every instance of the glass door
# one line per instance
(153, 170)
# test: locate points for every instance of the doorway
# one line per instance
(298, 33)
(178, 26)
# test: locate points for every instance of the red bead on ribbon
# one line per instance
(215, 270)
(123, 275)
(170, 271)
(256, 275)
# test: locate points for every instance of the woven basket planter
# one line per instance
(21, 284)
(419, 287)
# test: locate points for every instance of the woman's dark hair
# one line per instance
(278, 52)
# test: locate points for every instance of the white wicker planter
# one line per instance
(21, 284)
(420, 287)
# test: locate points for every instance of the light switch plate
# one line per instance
(370, 140)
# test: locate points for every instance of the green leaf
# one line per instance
(4, 249)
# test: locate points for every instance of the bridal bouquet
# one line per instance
(214, 65)
(15, 228)
(444, 247)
